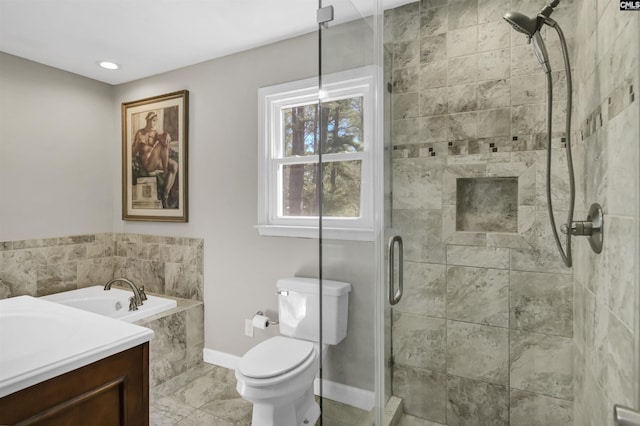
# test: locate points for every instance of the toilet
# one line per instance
(277, 375)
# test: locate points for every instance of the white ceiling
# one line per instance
(148, 37)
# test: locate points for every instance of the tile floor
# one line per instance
(206, 395)
(203, 395)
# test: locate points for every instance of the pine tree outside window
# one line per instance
(294, 126)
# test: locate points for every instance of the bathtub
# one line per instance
(112, 303)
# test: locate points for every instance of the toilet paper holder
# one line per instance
(270, 321)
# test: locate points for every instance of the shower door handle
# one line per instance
(395, 295)
(626, 416)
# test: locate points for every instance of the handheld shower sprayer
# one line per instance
(531, 28)
(541, 52)
(592, 228)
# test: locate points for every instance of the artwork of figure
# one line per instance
(152, 156)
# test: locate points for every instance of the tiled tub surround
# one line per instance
(170, 266)
(178, 342)
(166, 266)
(484, 332)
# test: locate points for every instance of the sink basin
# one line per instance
(18, 327)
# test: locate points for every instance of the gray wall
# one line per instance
(607, 286)
(240, 267)
(58, 152)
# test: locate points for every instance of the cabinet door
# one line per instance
(109, 392)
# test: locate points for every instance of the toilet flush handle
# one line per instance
(282, 293)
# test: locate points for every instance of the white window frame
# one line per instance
(271, 101)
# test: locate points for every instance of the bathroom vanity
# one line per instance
(61, 365)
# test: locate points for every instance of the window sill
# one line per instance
(352, 234)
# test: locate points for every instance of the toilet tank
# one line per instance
(299, 309)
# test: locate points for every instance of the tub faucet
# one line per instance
(137, 298)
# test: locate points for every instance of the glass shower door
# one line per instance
(352, 219)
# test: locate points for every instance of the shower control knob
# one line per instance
(577, 228)
(592, 228)
(581, 227)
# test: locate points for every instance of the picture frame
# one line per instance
(154, 158)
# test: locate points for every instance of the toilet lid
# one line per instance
(274, 356)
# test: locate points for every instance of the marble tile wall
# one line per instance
(607, 286)
(484, 333)
(178, 342)
(44, 266)
(164, 265)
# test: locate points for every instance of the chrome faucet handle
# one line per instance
(133, 306)
(143, 295)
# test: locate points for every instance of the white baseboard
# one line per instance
(345, 394)
(349, 395)
(222, 359)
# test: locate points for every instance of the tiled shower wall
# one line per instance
(484, 333)
(164, 265)
(606, 285)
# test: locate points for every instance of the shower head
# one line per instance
(531, 27)
(522, 23)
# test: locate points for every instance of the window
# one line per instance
(292, 130)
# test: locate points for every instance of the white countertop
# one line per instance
(40, 340)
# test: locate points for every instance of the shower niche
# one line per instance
(489, 204)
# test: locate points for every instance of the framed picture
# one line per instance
(154, 158)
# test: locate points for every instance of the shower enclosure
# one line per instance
(492, 326)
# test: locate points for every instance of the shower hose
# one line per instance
(566, 256)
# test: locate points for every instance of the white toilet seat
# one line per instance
(311, 362)
(274, 357)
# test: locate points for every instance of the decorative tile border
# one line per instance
(619, 99)
(516, 143)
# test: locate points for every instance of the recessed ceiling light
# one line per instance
(108, 65)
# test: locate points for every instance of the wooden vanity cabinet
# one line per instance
(112, 391)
